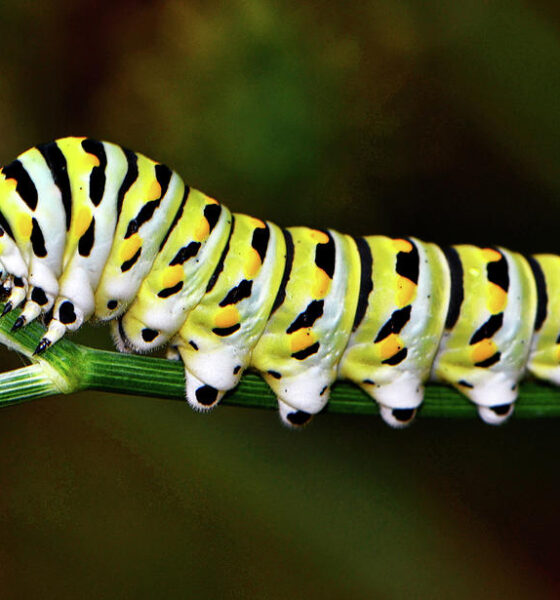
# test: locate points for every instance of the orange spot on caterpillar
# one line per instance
(227, 317)
(483, 350)
(301, 339)
(406, 291)
(253, 264)
(497, 298)
(25, 225)
(202, 230)
(129, 247)
(154, 191)
(172, 276)
(321, 285)
(402, 245)
(319, 236)
(90, 161)
(9, 185)
(390, 346)
(491, 255)
(82, 222)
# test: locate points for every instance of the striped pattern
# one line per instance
(89, 229)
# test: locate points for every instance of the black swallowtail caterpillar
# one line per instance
(89, 229)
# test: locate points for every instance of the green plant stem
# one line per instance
(145, 376)
(69, 367)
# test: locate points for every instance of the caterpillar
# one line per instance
(91, 230)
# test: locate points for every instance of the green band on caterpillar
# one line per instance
(90, 230)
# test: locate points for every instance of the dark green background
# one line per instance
(439, 119)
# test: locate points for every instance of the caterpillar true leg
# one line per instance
(18, 292)
(91, 230)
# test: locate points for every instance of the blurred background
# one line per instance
(439, 119)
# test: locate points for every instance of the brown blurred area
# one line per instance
(437, 119)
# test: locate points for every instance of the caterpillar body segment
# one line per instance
(398, 328)
(485, 352)
(31, 201)
(219, 335)
(544, 358)
(181, 273)
(299, 351)
(89, 229)
(90, 193)
(148, 208)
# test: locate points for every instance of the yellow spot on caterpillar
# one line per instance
(406, 291)
(491, 255)
(402, 245)
(497, 298)
(129, 247)
(321, 285)
(253, 264)
(83, 220)
(227, 317)
(319, 236)
(390, 346)
(172, 276)
(155, 190)
(483, 350)
(202, 230)
(25, 225)
(301, 339)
